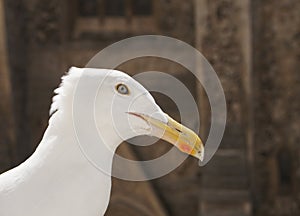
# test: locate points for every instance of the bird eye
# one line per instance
(122, 89)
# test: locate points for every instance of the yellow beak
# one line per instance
(175, 133)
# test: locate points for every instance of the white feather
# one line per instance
(58, 179)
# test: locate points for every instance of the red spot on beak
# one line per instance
(185, 148)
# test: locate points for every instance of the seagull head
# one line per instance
(121, 109)
(124, 106)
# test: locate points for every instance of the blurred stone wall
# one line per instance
(7, 130)
(276, 49)
(254, 47)
(223, 36)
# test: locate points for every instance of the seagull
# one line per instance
(58, 178)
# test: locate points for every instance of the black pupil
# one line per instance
(122, 89)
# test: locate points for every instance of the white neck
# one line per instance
(57, 179)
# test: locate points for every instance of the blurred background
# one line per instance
(254, 46)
